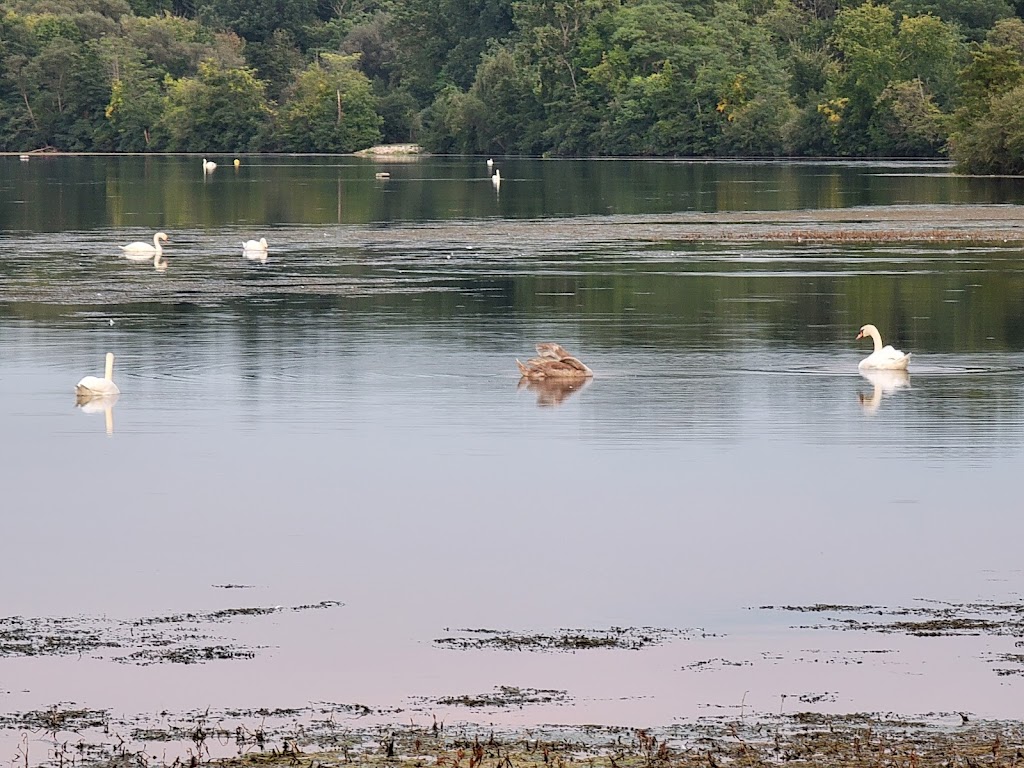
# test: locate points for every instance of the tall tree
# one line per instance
(930, 51)
(276, 61)
(907, 122)
(441, 42)
(993, 141)
(993, 88)
(219, 110)
(511, 117)
(864, 36)
(973, 17)
(136, 100)
(330, 108)
(257, 20)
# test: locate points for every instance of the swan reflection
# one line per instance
(551, 392)
(98, 404)
(258, 256)
(885, 383)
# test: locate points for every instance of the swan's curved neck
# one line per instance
(875, 337)
(109, 372)
(156, 244)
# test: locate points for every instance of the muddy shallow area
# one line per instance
(332, 736)
(472, 730)
(870, 224)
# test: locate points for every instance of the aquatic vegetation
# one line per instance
(178, 638)
(624, 638)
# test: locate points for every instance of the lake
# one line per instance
(322, 467)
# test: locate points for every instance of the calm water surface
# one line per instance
(342, 421)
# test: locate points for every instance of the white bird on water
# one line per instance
(255, 245)
(490, 163)
(92, 387)
(496, 179)
(208, 165)
(886, 358)
(140, 251)
(255, 250)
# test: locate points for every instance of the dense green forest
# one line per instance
(735, 78)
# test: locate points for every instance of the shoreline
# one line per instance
(747, 739)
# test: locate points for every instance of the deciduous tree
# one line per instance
(329, 108)
(218, 110)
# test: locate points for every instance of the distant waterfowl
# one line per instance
(208, 165)
(553, 362)
(490, 163)
(140, 251)
(92, 386)
(885, 358)
(23, 158)
(496, 179)
(885, 383)
(237, 162)
(382, 175)
(255, 245)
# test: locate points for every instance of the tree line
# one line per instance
(733, 78)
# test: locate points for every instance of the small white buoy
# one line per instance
(382, 175)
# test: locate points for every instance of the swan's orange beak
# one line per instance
(860, 335)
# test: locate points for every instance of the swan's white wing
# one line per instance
(95, 387)
(895, 358)
(138, 250)
(886, 358)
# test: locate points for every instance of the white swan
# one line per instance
(490, 163)
(208, 165)
(496, 179)
(255, 245)
(139, 251)
(92, 386)
(885, 382)
(883, 357)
